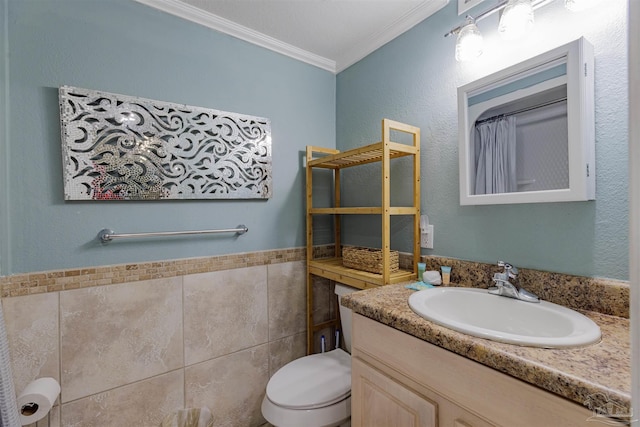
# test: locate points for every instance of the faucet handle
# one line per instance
(509, 270)
(505, 265)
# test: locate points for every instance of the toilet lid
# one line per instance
(312, 381)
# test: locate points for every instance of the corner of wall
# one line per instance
(4, 141)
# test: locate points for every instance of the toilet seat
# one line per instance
(313, 381)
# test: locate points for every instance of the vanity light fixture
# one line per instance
(516, 20)
(469, 42)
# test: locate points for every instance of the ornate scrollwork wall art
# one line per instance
(117, 147)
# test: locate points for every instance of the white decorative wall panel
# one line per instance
(117, 147)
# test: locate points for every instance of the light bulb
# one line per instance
(516, 19)
(469, 42)
(578, 5)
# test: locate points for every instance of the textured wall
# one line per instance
(125, 47)
(4, 170)
(414, 79)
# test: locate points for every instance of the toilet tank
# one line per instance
(345, 314)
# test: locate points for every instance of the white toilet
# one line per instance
(315, 390)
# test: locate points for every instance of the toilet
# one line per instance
(315, 390)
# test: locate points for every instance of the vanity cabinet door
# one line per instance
(379, 401)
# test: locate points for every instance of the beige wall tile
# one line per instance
(231, 386)
(32, 332)
(287, 299)
(285, 350)
(224, 311)
(117, 334)
(324, 301)
(121, 350)
(52, 419)
(141, 404)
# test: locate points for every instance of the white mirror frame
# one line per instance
(578, 56)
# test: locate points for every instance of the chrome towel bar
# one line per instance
(106, 235)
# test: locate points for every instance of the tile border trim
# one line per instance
(61, 280)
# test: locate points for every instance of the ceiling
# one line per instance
(330, 34)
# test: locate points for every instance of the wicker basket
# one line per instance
(368, 259)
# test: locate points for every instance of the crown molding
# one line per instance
(199, 16)
(385, 35)
(403, 24)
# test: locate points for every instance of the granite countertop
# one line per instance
(597, 376)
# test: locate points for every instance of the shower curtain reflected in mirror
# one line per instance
(495, 155)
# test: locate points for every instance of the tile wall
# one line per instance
(160, 338)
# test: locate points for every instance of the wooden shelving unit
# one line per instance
(331, 268)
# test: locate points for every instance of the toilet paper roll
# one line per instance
(37, 399)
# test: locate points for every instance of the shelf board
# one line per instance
(352, 210)
(332, 268)
(363, 155)
(401, 210)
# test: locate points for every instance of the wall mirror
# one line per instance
(526, 133)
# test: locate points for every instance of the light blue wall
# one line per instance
(124, 47)
(4, 153)
(413, 79)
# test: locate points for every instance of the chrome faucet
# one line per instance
(505, 288)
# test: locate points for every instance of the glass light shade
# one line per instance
(469, 42)
(577, 5)
(516, 19)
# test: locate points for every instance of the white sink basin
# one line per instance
(478, 313)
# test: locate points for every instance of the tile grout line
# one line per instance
(59, 357)
(268, 324)
(184, 360)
